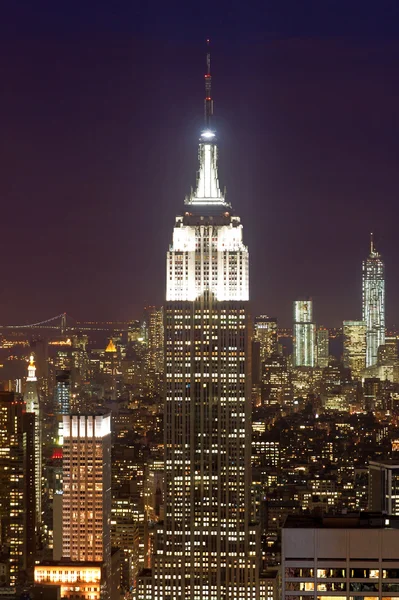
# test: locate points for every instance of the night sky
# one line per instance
(101, 107)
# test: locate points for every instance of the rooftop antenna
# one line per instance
(371, 243)
(208, 104)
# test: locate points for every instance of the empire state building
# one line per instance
(206, 547)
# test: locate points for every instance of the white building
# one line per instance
(206, 547)
(373, 303)
(344, 557)
(304, 340)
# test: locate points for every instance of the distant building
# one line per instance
(384, 487)
(372, 392)
(373, 303)
(63, 391)
(276, 381)
(155, 339)
(86, 506)
(341, 557)
(355, 347)
(304, 340)
(32, 402)
(266, 334)
(388, 353)
(323, 347)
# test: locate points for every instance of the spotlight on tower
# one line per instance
(207, 134)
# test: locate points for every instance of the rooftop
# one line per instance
(363, 520)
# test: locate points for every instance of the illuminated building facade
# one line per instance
(206, 547)
(304, 340)
(355, 347)
(384, 487)
(373, 304)
(388, 352)
(77, 581)
(63, 391)
(86, 506)
(323, 347)
(266, 334)
(31, 399)
(276, 381)
(17, 487)
(155, 341)
(340, 557)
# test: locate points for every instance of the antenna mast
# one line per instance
(208, 104)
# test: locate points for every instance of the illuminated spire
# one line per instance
(207, 189)
(371, 244)
(111, 346)
(208, 104)
(31, 369)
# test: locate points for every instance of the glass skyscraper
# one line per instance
(304, 340)
(206, 547)
(373, 303)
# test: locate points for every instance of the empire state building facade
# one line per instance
(207, 546)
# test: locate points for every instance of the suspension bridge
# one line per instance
(64, 323)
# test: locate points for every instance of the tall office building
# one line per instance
(266, 334)
(323, 347)
(63, 391)
(388, 352)
(304, 340)
(86, 505)
(155, 341)
(206, 548)
(355, 347)
(373, 303)
(384, 486)
(17, 487)
(31, 398)
(276, 381)
(340, 557)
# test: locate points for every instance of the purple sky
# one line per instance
(101, 113)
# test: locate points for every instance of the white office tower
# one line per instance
(304, 340)
(207, 548)
(340, 557)
(86, 504)
(373, 303)
(31, 399)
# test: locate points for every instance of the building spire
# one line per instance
(31, 369)
(371, 243)
(208, 103)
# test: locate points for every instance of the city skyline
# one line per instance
(92, 171)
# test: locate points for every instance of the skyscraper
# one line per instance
(63, 391)
(17, 486)
(207, 546)
(323, 347)
(266, 334)
(373, 303)
(86, 506)
(355, 347)
(304, 340)
(31, 398)
(384, 486)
